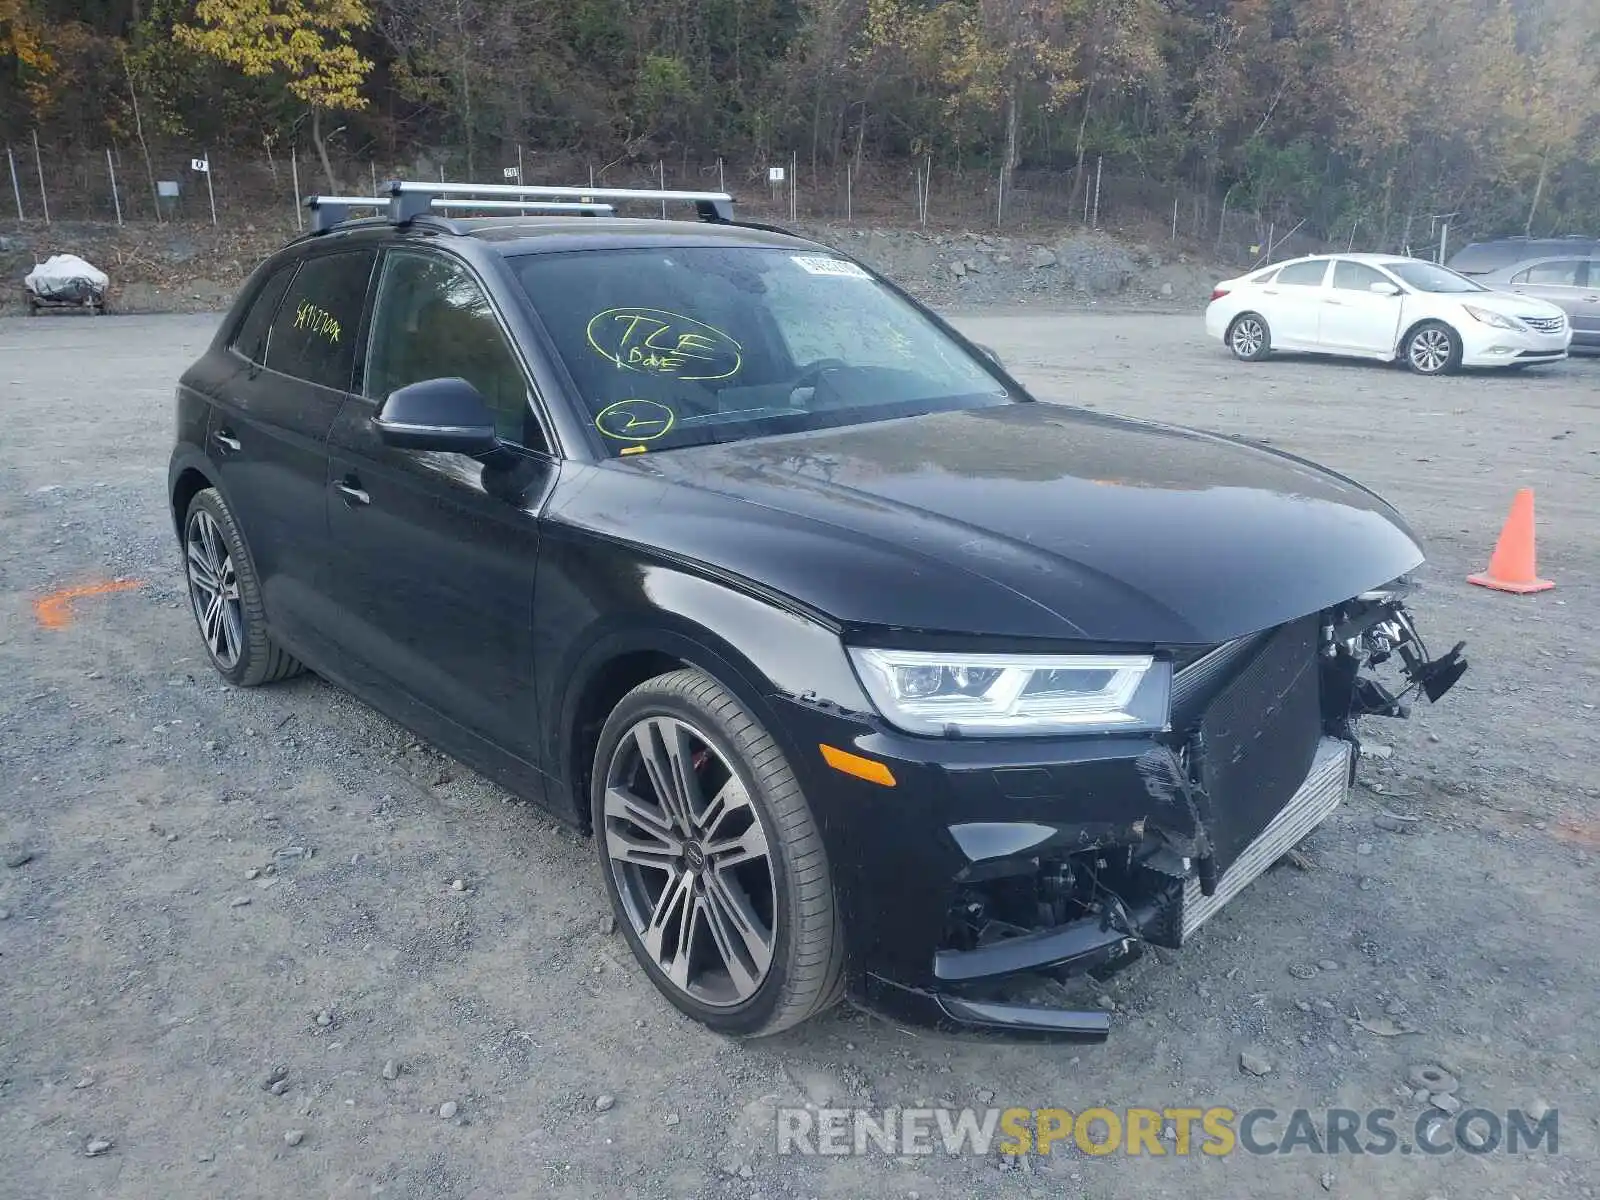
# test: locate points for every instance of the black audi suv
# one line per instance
(869, 674)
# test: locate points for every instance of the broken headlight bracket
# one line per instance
(1363, 635)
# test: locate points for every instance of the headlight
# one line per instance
(1491, 318)
(999, 694)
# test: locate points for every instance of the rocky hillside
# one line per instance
(186, 268)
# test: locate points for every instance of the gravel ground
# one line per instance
(235, 958)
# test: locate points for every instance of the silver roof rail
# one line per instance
(328, 211)
(412, 199)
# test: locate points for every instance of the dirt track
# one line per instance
(142, 1004)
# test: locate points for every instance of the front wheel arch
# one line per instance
(618, 663)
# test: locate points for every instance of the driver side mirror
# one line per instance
(437, 414)
(989, 350)
(1383, 288)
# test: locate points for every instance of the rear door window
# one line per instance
(314, 334)
(1304, 274)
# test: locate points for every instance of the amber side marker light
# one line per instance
(854, 764)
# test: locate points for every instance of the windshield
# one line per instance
(690, 345)
(1426, 277)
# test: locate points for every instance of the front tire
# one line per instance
(712, 859)
(1250, 337)
(1433, 349)
(225, 596)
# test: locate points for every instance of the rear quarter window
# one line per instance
(250, 338)
(313, 335)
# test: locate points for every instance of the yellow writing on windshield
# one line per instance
(318, 321)
(635, 420)
(658, 342)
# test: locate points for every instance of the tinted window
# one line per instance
(1558, 274)
(433, 321)
(695, 344)
(314, 334)
(1306, 274)
(251, 338)
(1356, 277)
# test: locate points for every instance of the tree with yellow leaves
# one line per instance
(308, 43)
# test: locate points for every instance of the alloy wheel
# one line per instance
(1430, 351)
(690, 860)
(214, 589)
(1248, 338)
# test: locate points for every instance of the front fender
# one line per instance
(599, 602)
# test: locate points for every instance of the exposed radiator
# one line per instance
(1324, 788)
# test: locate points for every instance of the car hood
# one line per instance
(1025, 520)
(1510, 304)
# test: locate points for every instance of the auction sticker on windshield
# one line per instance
(820, 264)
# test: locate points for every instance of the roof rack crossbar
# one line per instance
(409, 199)
(328, 211)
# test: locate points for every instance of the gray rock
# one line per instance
(1474, 1136)
(279, 1088)
(1253, 1063)
(391, 1069)
(238, 901)
(672, 1119)
(1166, 290)
(1367, 883)
(1538, 1109)
(975, 265)
(1327, 964)
(1302, 971)
(745, 1172)
(448, 1109)
(604, 1103)
(205, 1156)
(1042, 258)
(1445, 1102)
(20, 857)
(1363, 847)
(276, 1075)
(294, 1137)
(958, 269)
(1431, 1076)
(985, 1096)
(5, 914)
(1327, 1181)
(96, 1147)
(325, 1018)
(458, 885)
(253, 873)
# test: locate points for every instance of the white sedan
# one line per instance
(1386, 307)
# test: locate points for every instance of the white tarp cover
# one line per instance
(66, 276)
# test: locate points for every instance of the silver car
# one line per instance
(1570, 280)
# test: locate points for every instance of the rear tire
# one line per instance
(712, 859)
(1432, 348)
(225, 596)
(1250, 337)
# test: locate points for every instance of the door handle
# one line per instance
(1335, 303)
(352, 493)
(226, 440)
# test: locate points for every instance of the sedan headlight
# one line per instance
(933, 692)
(1495, 319)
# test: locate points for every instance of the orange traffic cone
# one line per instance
(1511, 566)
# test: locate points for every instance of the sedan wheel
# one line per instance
(1249, 338)
(712, 859)
(1434, 349)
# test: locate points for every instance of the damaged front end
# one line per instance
(1262, 748)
